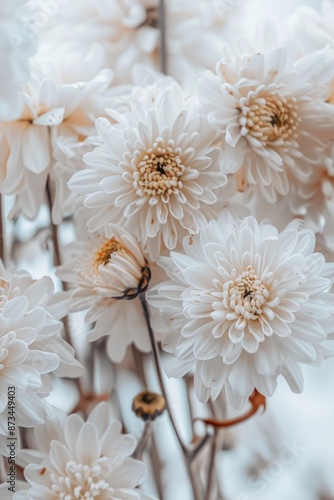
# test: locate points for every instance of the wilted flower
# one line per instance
(107, 272)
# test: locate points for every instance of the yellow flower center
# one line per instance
(270, 118)
(159, 173)
(102, 256)
(247, 294)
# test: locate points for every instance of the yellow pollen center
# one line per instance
(104, 253)
(248, 294)
(159, 173)
(270, 118)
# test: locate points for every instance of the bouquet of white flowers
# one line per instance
(166, 249)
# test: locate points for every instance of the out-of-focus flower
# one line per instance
(121, 33)
(15, 50)
(148, 405)
(272, 113)
(51, 109)
(107, 272)
(156, 173)
(31, 347)
(72, 458)
(315, 200)
(313, 28)
(245, 304)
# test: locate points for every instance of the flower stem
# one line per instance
(144, 440)
(188, 454)
(155, 458)
(57, 262)
(163, 38)
(156, 359)
(53, 227)
(211, 470)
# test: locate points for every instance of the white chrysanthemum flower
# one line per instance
(107, 273)
(51, 109)
(272, 113)
(245, 304)
(31, 347)
(74, 459)
(15, 50)
(156, 172)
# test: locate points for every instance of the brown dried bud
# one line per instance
(148, 405)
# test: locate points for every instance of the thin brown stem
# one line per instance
(188, 454)
(53, 227)
(163, 37)
(156, 359)
(57, 262)
(155, 457)
(188, 384)
(144, 440)
(211, 469)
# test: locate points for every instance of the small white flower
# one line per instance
(272, 113)
(31, 347)
(245, 304)
(74, 459)
(107, 272)
(157, 172)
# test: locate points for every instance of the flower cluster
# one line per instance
(31, 347)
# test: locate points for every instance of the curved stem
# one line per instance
(257, 401)
(188, 454)
(156, 359)
(144, 440)
(57, 262)
(211, 470)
